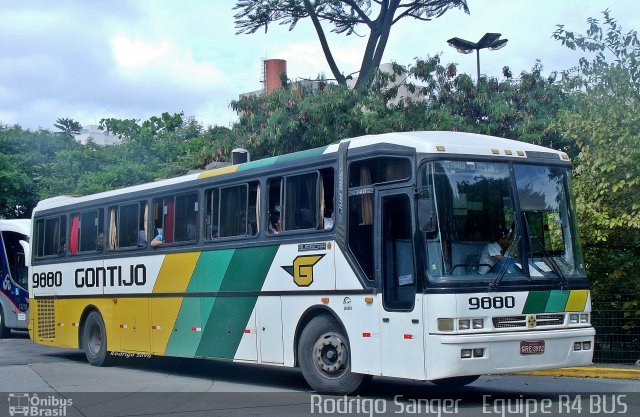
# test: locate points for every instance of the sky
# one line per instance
(133, 59)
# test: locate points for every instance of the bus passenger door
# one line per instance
(269, 311)
(401, 327)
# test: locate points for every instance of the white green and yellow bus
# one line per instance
(362, 258)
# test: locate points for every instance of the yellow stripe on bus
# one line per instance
(174, 277)
(219, 171)
(175, 273)
(577, 300)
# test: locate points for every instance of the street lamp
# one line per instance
(489, 40)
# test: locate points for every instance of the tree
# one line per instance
(14, 188)
(68, 127)
(345, 16)
(605, 126)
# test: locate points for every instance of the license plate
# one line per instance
(532, 348)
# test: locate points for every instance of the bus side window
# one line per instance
(51, 237)
(254, 208)
(211, 227)
(274, 208)
(301, 202)
(233, 211)
(326, 198)
(186, 218)
(125, 224)
(89, 231)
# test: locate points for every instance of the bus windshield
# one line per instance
(495, 217)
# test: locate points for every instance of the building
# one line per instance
(100, 137)
(273, 70)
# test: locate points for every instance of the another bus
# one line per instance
(357, 259)
(14, 253)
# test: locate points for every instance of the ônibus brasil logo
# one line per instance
(25, 404)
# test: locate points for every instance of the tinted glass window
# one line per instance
(378, 170)
(301, 202)
(233, 211)
(50, 239)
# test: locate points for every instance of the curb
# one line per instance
(589, 372)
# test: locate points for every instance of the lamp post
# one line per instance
(489, 40)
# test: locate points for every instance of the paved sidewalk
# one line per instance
(594, 371)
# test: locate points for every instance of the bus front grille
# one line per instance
(46, 318)
(504, 322)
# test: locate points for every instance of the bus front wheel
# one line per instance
(325, 358)
(94, 340)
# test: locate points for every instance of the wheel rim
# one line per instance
(94, 339)
(331, 355)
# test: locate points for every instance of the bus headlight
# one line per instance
(574, 318)
(464, 324)
(478, 324)
(584, 318)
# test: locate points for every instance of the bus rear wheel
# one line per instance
(4, 330)
(325, 358)
(94, 340)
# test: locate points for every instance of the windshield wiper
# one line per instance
(552, 263)
(503, 269)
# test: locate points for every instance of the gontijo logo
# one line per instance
(302, 269)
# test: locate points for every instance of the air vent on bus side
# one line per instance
(46, 318)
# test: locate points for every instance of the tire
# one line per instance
(325, 359)
(94, 340)
(4, 330)
(456, 382)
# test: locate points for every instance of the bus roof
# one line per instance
(22, 226)
(451, 143)
(434, 142)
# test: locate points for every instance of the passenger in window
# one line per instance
(275, 223)
(100, 242)
(158, 240)
(63, 248)
(494, 253)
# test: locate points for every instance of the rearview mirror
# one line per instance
(426, 215)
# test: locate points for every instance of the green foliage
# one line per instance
(68, 126)
(293, 120)
(41, 164)
(14, 186)
(605, 127)
(422, 96)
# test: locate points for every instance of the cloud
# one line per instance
(139, 58)
(136, 53)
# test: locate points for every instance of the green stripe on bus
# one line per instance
(281, 159)
(557, 301)
(258, 163)
(301, 155)
(536, 302)
(194, 312)
(225, 327)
